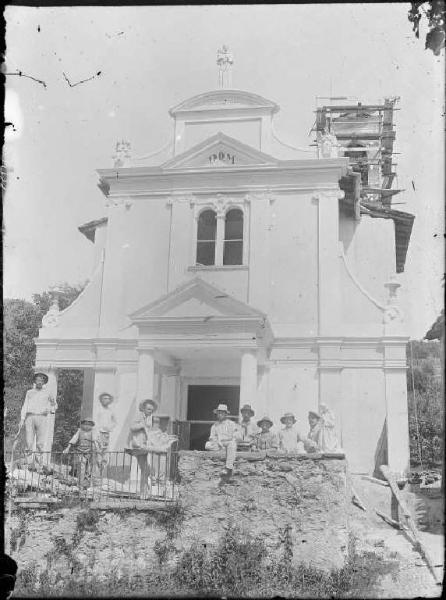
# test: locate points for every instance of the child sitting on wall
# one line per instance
(290, 440)
(85, 444)
(266, 439)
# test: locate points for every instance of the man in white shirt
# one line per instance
(224, 435)
(106, 422)
(39, 403)
(248, 427)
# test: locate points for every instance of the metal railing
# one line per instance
(100, 477)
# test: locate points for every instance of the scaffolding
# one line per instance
(365, 134)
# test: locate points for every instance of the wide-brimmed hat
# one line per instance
(43, 375)
(106, 394)
(148, 401)
(221, 407)
(314, 414)
(263, 419)
(87, 420)
(247, 407)
(286, 415)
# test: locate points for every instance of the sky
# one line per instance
(152, 58)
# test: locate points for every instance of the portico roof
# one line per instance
(196, 300)
(198, 315)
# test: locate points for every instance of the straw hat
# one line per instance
(263, 419)
(314, 414)
(221, 407)
(106, 394)
(43, 375)
(148, 401)
(286, 415)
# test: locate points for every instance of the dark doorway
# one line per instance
(201, 402)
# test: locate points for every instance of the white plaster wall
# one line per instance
(362, 417)
(293, 388)
(124, 406)
(247, 131)
(369, 246)
(293, 274)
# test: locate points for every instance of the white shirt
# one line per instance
(38, 402)
(105, 419)
(224, 431)
(289, 439)
(249, 430)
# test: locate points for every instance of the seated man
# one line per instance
(248, 429)
(266, 439)
(224, 436)
(313, 441)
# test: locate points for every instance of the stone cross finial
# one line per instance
(122, 154)
(225, 60)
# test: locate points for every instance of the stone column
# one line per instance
(52, 386)
(88, 393)
(219, 237)
(146, 374)
(396, 404)
(248, 378)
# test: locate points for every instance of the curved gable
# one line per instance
(224, 99)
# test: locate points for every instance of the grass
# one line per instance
(237, 567)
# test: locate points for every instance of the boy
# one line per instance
(86, 446)
(223, 436)
(248, 428)
(266, 439)
(289, 438)
(106, 422)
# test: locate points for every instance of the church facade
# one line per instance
(227, 274)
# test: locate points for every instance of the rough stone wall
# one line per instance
(265, 494)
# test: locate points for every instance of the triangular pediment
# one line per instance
(196, 300)
(219, 151)
(224, 99)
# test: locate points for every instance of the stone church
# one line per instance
(236, 268)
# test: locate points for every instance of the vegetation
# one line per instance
(433, 13)
(22, 321)
(238, 566)
(425, 398)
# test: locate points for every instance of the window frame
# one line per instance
(221, 205)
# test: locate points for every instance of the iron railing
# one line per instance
(103, 477)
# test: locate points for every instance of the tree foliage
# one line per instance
(22, 320)
(426, 404)
(434, 14)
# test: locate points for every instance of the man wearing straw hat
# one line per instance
(248, 429)
(39, 403)
(224, 435)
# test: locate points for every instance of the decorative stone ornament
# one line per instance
(51, 318)
(122, 154)
(225, 60)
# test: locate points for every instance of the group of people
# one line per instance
(148, 432)
(248, 434)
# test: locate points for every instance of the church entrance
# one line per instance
(201, 402)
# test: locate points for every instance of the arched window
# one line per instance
(233, 242)
(206, 234)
